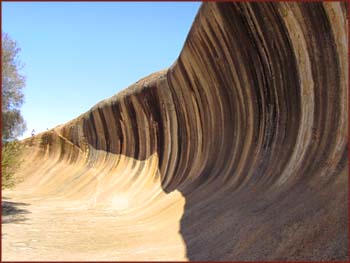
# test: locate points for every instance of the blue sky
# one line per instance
(76, 54)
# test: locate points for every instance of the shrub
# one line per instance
(10, 162)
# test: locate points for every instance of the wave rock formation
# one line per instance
(238, 151)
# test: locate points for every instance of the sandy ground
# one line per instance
(62, 230)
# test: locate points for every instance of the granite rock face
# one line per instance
(250, 125)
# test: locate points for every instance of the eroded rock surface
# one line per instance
(238, 151)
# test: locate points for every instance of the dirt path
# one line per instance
(62, 230)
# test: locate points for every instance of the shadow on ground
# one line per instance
(13, 212)
(255, 225)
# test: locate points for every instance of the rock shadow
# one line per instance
(254, 225)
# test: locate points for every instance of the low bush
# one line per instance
(10, 162)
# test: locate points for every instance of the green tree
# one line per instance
(13, 124)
